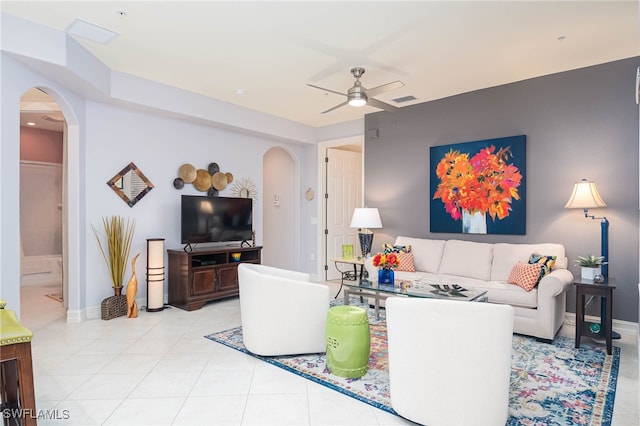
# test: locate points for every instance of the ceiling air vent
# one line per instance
(404, 99)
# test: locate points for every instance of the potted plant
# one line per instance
(118, 234)
(591, 265)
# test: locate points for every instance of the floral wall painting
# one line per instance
(479, 187)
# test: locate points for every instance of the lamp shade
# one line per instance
(364, 217)
(585, 196)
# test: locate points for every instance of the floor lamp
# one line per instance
(366, 219)
(586, 196)
(155, 274)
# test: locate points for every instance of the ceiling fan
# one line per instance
(358, 95)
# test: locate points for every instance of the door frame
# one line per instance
(321, 246)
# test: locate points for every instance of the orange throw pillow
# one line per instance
(406, 262)
(525, 275)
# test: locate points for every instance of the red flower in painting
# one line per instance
(483, 183)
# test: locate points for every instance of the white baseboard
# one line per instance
(76, 315)
(95, 312)
(620, 326)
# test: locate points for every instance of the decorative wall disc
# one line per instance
(219, 181)
(187, 173)
(213, 168)
(203, 180)
(178, 183)
(210, 180)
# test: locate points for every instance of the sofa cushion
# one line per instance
(427, 254)
(525, 275)
(467, 259)
(505, 255)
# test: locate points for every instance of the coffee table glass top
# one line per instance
(419, 288)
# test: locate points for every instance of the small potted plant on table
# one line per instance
(591, 266)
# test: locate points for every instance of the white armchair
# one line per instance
(283, 313)
(449, 361)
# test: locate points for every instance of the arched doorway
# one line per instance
(73, 212)
(281, 186)
(42, 136)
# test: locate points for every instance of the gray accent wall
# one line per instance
(579, 124)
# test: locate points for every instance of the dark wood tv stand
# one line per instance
(199, 276)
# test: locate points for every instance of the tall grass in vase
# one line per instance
(115, 249)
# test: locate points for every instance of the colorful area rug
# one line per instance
(551, 384)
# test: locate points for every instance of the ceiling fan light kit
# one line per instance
(358, 95)
(357, 101)
(357, 98)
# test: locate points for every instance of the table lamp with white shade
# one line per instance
(366, 219)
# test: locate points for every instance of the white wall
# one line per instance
(114, 119)
(158, 146)
(111, 138)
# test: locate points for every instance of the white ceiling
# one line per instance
(272, 50)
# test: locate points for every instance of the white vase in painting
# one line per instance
(474, 223)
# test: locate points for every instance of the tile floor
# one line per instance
(158, 369)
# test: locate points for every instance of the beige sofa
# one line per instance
(539, 312)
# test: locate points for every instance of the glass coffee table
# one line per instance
(411, 288)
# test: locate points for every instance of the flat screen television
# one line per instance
(215, 219)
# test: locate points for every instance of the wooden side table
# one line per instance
(605, 289)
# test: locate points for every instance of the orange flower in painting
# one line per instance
(483, 183)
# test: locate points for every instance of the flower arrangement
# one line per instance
(386, 260)
(484, 183)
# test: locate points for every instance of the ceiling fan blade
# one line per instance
(327, 90)
(382, 105)
(335, 107)
(375, 91)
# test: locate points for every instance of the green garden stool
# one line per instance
(348, 341)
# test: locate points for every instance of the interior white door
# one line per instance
(343, 194)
